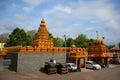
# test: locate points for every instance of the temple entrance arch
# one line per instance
(79, 61)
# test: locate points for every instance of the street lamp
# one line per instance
(56, 38)
(67, 55)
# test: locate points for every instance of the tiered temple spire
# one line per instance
(98, 51)
(42, 33)
(42, 38)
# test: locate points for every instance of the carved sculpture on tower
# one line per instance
(42, 37)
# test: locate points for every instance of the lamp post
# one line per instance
(65, 41)
(55, 39)
(67, 55)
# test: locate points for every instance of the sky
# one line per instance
(64, 17)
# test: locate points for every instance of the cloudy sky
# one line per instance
(70, 17)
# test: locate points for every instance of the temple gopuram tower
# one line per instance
(42, 37)
(98, 52)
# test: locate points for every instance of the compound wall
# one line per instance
(21, 62)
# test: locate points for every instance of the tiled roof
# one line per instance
(115, 48)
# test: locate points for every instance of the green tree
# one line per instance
(70, 42)
(18, 38)
(90, 41)
(81, 41)
(58, 42)
(110, 46)
(50, 35)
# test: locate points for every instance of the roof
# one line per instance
(115, 48)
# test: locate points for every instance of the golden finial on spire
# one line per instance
(42, 23)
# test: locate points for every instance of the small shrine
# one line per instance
(98, 52)
(78, 56)
(116, 52)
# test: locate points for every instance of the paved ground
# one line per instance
(111, 73)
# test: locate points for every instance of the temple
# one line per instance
(116, 51)
(42, 43)
(27, 58)
(98, 52)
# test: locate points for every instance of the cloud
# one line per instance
(27, 9)
(11, 7)
(31, 4)
(68, 30)
(89, 17)
(67, 17)
(57, 9)
(98, 11)
(113, 25)
(22, 18)
(7, 27)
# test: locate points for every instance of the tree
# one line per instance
(50, 35)
(4, 37)
(70, 42)
(58, 42)
(110, 46)
(81, 41)
(18, 38)
(90, 41)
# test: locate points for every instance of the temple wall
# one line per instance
(33, 59)
(21, 62)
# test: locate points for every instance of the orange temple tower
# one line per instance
(98, 52)
(42, 37)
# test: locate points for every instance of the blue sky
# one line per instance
(70, 17)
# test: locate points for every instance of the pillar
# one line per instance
(107, 62)
(76, 62)
(84, 62)
(102, 61)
